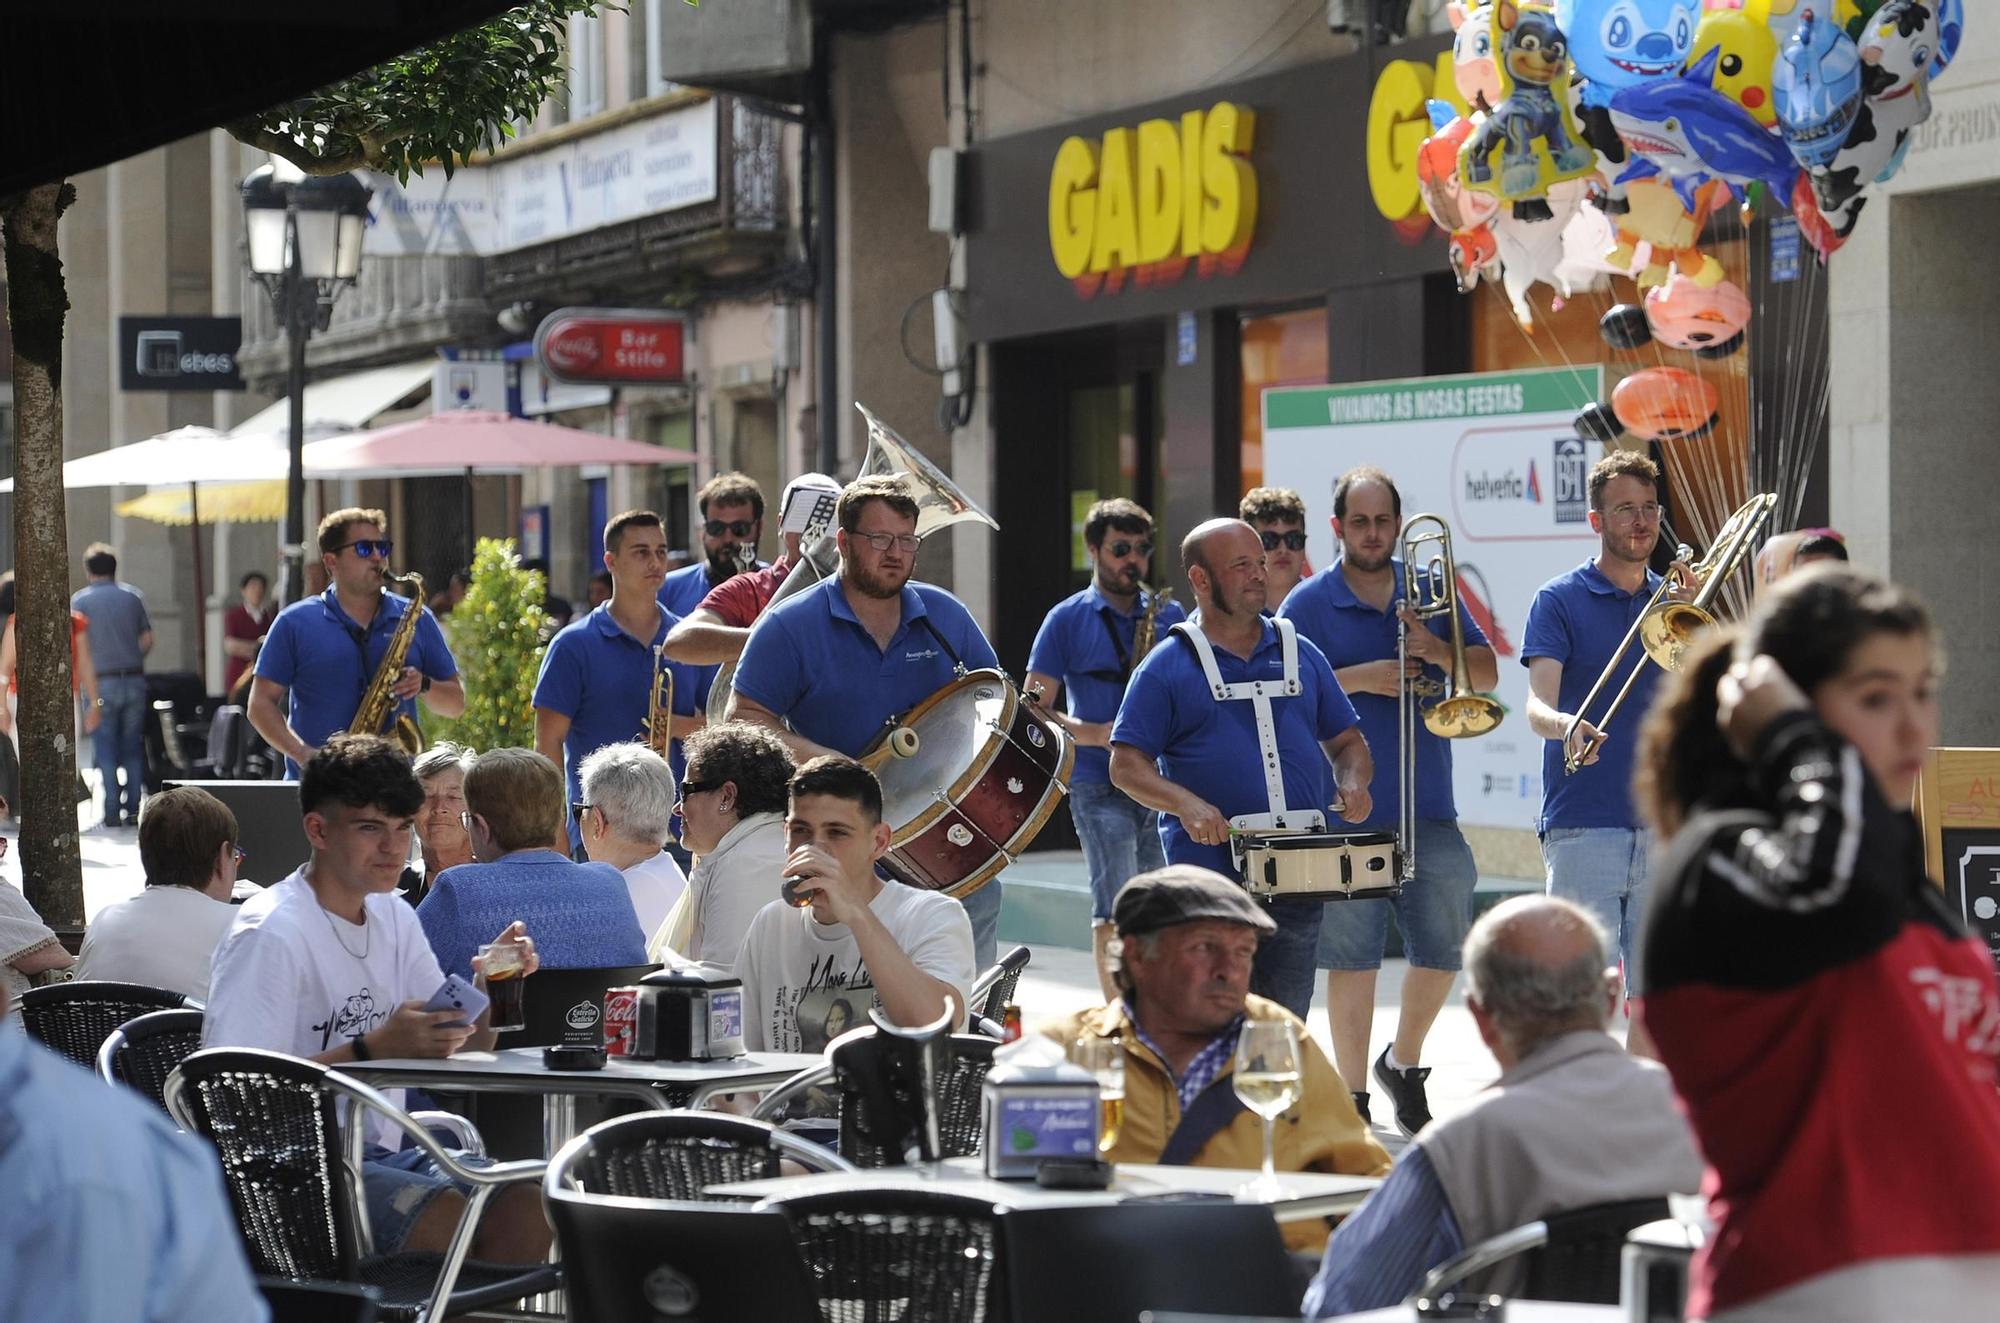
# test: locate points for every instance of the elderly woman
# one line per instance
(732, 811)
(627, 812)
(441, 830)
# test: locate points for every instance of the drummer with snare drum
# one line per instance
(1201, 759)
(842, 659)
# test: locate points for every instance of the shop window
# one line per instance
(1708, 477)
(1103, 455)
(586, 65)
(1277, 349)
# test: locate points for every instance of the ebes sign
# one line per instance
(612, 346)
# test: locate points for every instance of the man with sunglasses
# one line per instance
(829, 667)
(720, 626)
(1084, 650)
(732, 521)
(1279, 516)
(322, 652)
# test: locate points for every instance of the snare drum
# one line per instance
(1318, 865)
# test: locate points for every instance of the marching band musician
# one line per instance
(597, 678)
(1200, 761)
(841, 659)
(322, 652)
(1593, 844)
(1352, 610)
(716, 630)
(732, 520)
(1279, 516)
(1085, 649)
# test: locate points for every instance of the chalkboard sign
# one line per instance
(1972, 881)
(1958, 805)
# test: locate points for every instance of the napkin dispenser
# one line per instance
(693, 1013)
(1034, 1112)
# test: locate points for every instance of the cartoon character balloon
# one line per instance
(1743, 70)
(1656, 224)
(1464, 215)
(1529, 130)
(1707, 322)
(1473, 66)
(1620, 43)
(1817, 87)
(1666, 404)
(1685, 130)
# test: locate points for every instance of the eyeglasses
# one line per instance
(1127, 548)
(1292, 541)
(368, 548)
(1625, 514)
(578, 809)
(467, 818)
(689, 789)
(739, 527)
(239, 852)
(904, 542)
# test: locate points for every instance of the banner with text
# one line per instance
(1495, 455)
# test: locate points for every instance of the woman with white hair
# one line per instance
(732, 811)
(625, 818)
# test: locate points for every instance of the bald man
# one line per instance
(1199, 761)
(1572, 1121)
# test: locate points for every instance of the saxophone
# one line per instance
(1147, 632)
(377, 714)
(660, 707)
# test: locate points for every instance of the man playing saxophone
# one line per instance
(600, 679)
(1085, 650)
(322, 654)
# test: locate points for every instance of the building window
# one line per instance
(586, 66)
(657, 83)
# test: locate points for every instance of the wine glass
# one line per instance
(1267, 1081)
(1105, 1058)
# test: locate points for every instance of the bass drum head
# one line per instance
(955, 728)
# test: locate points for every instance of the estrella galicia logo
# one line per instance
(1569, 473)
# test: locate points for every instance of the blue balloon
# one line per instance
(1816, 87)
(1620, 43)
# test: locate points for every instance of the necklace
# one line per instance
(367, 933)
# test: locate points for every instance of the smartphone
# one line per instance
(461, 995)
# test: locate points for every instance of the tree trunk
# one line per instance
(51, 862)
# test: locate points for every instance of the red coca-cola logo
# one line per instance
(572, 349)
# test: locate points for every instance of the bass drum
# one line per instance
(987, 773)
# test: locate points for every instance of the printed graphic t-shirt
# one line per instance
(804, 983)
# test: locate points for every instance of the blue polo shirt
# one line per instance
(686, 586)
(1211, 748)
(1578, 619)
(812, 662)
(317, 651)
(1076, 645)
(601, 678)
(1349, 632)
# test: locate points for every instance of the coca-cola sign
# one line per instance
(612, 346)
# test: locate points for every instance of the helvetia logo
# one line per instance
(1507, 485)
(1534, 484)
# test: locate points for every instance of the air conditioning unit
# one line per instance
(757, 47)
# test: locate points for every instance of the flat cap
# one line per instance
(1183, 893)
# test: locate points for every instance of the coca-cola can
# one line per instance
(621, 1022)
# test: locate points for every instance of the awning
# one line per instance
(176, 458)
(354, 400)
(475, 441)
(234, 502)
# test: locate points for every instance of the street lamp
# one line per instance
(303, 244)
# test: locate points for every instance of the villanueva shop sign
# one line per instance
(1260, 192)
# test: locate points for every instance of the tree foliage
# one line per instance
(439, 103)
(495, 633)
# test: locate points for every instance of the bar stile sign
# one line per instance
(613, 347)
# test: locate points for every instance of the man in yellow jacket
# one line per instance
(1187, 937)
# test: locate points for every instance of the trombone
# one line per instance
(1449, 708)
(1666, 627)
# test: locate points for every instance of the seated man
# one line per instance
(111, 1212)
(1186, 939)
(581, 914)
(165, 936)
(810, 973)
(1573, 1120)
(330, 964)
(628, 811)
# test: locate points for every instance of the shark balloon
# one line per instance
(1685, 130)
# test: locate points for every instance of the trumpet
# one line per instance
(660, 706)
(1666, 627)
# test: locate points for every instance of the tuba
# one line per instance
(939, 504)
(377, 714)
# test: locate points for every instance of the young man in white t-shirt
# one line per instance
(332, 965)
(811, 974)
(165, 936)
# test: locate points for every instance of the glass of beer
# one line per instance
(506, 973)
(1104, 1058)
(1267, 1080)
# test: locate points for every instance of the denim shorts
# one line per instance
(397, 1188)
(1121, 839)
(1603, 869)
(1284, 970)
(1434, 913)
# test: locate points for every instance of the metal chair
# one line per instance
(630, 1259)
(1571, 1256)
(961, 1129)
(295, 1183)
(994, 988)
(1166, 1256)
(75, 1018)
(678, 1155)
(142, 1052)
(319, 1302)
(882, 1256)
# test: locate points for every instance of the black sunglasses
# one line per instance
(740, 527)
(368, 547)
(1293, 541)
(689, 789)
(1126, 548)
